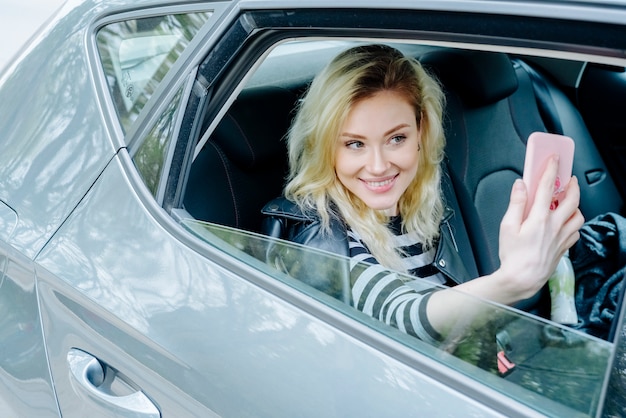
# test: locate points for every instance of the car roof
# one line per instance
(603, 11)
(553, 8)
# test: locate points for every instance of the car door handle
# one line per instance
(107, 388)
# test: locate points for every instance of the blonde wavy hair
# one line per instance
(357, 74)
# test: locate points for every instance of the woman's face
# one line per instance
(378, 150)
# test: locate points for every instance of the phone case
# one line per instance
(539, 148)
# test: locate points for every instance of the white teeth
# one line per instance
(379, 183)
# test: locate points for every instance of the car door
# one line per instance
(150, 312)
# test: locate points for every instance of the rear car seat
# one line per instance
(244, 163)
(491, 109)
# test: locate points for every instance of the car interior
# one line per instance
(494, 100)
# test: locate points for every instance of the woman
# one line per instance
(365, 150)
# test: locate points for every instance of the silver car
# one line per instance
(140, 141)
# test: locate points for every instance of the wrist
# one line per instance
(497, 287)
(504, 287)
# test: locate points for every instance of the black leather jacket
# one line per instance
(284, 219)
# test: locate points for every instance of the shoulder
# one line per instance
(287, 220)
(285, 208)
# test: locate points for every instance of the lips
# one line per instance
(380, 185)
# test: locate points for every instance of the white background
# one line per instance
(19, 20)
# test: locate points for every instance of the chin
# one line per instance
(389, 209)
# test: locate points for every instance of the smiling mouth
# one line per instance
(380, 183)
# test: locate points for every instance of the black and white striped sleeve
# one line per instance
(383, 295)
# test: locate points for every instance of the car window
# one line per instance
(542, 364)
(136, 54)
(152, 153)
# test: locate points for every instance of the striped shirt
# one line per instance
(382, 294)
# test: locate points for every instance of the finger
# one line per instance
(545, 188)
(570, 231)
(572, 239)
(568, 242)
(573, 188)
(576, 221)
(570, 201)
(572, 194)
(514, 214)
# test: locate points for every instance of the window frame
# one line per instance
(223, 71)
(121, 139)
(107, 40)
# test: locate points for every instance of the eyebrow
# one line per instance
(389, 132)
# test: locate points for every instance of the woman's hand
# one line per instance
(531, 248)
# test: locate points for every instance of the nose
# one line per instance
(378, 161)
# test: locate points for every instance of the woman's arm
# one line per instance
(530, 250)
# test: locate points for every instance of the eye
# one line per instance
(397, 139)
(354, 144)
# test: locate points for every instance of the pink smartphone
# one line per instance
(539, 148)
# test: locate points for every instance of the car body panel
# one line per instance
(61, 123)
(8, 222)
(24, 372)
(57, 124)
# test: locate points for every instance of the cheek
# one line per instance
(346, 165)
(409, 161)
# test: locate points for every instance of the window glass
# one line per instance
(137, 54)
(547, 366)
(151, 155)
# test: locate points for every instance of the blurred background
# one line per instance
(19, 20)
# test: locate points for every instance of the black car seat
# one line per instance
(243, 164)
(493, 104)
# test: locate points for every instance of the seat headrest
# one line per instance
(479, 77)
(251, 132)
